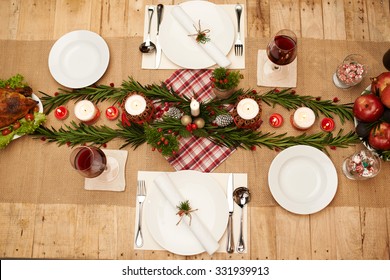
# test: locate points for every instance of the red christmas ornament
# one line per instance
(61, 113)
(276, 120)
(327, 124)
(112, 113)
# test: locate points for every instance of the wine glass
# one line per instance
(92, 162)
(281, 51)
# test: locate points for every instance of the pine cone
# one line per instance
(224, 120)
(174, 112)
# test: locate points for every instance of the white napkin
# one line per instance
(210, 48)
(202, 234)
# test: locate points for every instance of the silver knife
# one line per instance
(229, 194)
(160, 8)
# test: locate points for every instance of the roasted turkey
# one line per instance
(14, 105)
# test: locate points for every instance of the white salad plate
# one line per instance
(182, 49)
(79, 59)
(302, 179)
(204, 194)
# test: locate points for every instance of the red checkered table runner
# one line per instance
(196, 153)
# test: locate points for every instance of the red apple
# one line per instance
(380, 82)
(379, 137)
(385, 96)
(368, 108)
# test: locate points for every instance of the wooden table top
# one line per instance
(100, 231)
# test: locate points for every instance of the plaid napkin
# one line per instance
(196, 153)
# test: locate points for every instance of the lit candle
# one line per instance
(112, 113)
(303, 118)
(135, 105)
(61, 113)
(86, 112)
(327, 124)
(247, 108)
(195, 107)
(276, 120)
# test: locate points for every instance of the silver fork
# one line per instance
(141, 194)
(238, 46)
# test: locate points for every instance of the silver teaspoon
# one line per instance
(241, 196)
(148, 46)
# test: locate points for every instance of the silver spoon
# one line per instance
(148, 46)
(241, 196)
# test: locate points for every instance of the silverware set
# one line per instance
(241, 196)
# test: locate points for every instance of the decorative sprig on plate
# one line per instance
(184, 209)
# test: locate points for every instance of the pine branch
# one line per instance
(289, 100)
(80, 134)
(95, 94)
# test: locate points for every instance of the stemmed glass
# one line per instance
(281, 51)
(92, 162)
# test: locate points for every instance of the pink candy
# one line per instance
(350, 73)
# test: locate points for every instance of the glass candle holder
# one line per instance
(350, 72)
(362, 165)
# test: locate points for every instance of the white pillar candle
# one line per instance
(303, 118)
(195, 107)
(135, 105)
(247, 108)
(85, 111)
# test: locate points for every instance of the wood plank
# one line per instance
(322, 231)
(72, 15)
(17, 223)
(36, 20)
(378, 15)
(9, 18)
(333, 20)
(356, 25)
(311, 19)
(374, 233)
(55, 229)
(285, 14)
(263, 232)
(348, 233)
(258, 19)
(292, 236)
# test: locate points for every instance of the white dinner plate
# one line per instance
(78, 59)
(302, 179)
(182, 49)
(205, 194)
(40, 109)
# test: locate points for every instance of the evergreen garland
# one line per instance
(162, 134)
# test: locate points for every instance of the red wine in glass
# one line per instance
(88, 161)
(282, 49)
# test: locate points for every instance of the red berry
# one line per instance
(166, 142)
(111, 84)
(194, 126)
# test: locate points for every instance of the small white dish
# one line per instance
(302, 179)
(79, 59)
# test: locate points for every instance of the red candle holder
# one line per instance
(61, 113)
(112, 113)
(327, 124)
(276, 120)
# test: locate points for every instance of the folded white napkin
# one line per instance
(202, 234)
(210, 48)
